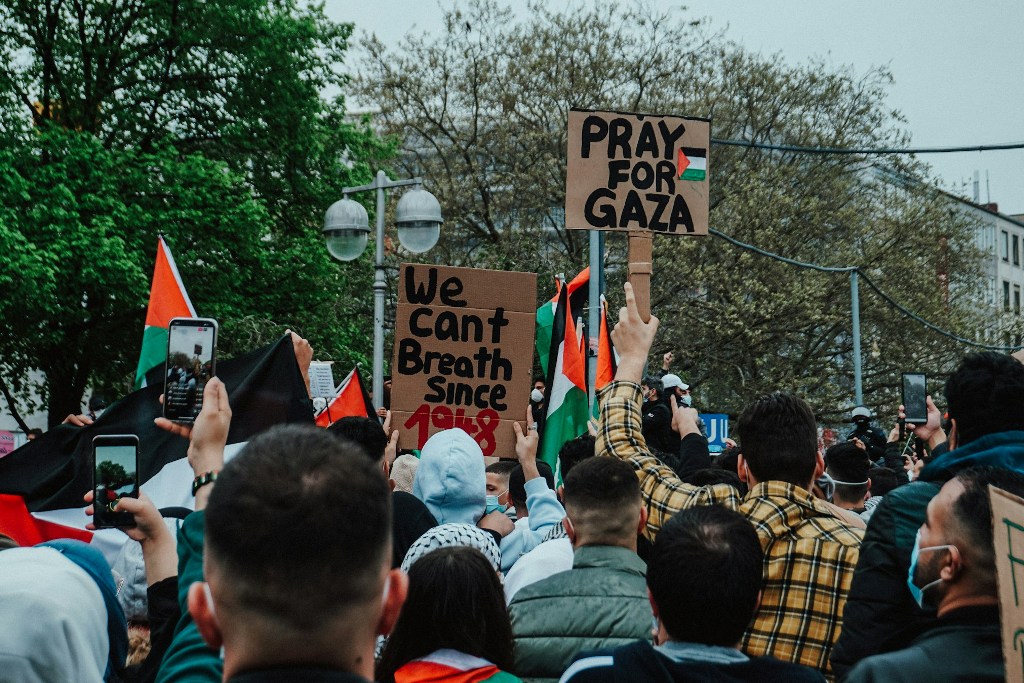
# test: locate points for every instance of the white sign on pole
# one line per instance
(321, 380)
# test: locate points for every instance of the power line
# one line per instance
(866, 150)
(848, 269)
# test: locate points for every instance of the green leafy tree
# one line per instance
(203, 120)
(481, 110)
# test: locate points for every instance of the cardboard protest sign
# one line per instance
(1008, 538)
(717, 425)
(463, 353)
(637, 172)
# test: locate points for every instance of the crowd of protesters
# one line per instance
(320, 555)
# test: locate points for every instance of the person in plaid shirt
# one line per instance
(810, 548)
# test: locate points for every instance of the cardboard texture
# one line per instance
(463, 353)
(1008, 538)
(641, 264)
(637, 172)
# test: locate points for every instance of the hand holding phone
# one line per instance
(115, 476)
(915, 398)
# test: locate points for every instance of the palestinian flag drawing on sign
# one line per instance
(692, 163)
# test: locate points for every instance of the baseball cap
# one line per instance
(671, 381)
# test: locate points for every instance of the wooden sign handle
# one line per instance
(641, 264)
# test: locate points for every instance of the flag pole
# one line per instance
(593, 314)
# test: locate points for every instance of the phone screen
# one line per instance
(915, 405)
(191, 347)
(115, 475)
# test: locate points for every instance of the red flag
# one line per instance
(606, 364)
(352, 400)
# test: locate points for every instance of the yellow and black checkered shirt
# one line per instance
(809, 551)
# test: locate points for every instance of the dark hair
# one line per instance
(985, 395)
(575, 451)
(293, 512)
(780, 439)
(710, 476)
(971, 513)
(602, 500)
(845, 461)
(653, 383)
(705, 573)
(883, 480)
(455, 601)
(365, 432)
(503, 467)
(517, 482)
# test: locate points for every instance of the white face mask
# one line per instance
(536, 395)
(686, 400)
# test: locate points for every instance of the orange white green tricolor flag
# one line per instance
(167, 299)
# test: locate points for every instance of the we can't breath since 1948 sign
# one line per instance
(637, 172)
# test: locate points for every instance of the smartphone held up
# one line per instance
(915, 398)
(115, 476)
(191, 362)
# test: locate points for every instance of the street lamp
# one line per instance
(347, 229)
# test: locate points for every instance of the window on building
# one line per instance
(1006, 296)
(1016, 250)
(1006, 246)
(1016, 299)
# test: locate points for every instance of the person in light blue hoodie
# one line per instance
(451, 480)
(452, 483)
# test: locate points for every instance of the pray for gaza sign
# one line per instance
(637, 172)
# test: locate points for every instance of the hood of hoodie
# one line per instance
(451, 480)
(56, 616)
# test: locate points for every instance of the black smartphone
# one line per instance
(115, 474)
(191, 359)
(915, 404)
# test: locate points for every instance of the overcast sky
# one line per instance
(957, 65)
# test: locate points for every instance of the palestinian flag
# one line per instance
(42, 483)
(692, 163)
(350, 399)
(167, 299)
(607, 359)
(546, 314)
(566, 393)
(451, 666)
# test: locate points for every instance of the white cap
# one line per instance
(671, 381)
(861, 411)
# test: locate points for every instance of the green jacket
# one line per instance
(600, 603)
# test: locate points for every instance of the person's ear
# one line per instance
(643, 520)
(569, 530)
(202, 611)
(950, 570)
(741, 469)
(867, 494)
(392, 484)
(560, 491)
(396, 588)
(819, 466)
(953, 437)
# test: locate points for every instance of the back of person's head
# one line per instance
(451, 480)
(517, 482)
(848, 465)
(709, 476)
(603, 502)
(403, 472)
(883, 480)
(62, 621)
(575, 451)
(456, 602)
(985, 395)
(971, 520)
(705, 575)
(298, 533)
(365, 432)
(780, 439)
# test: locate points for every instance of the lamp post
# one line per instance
(347, 229)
